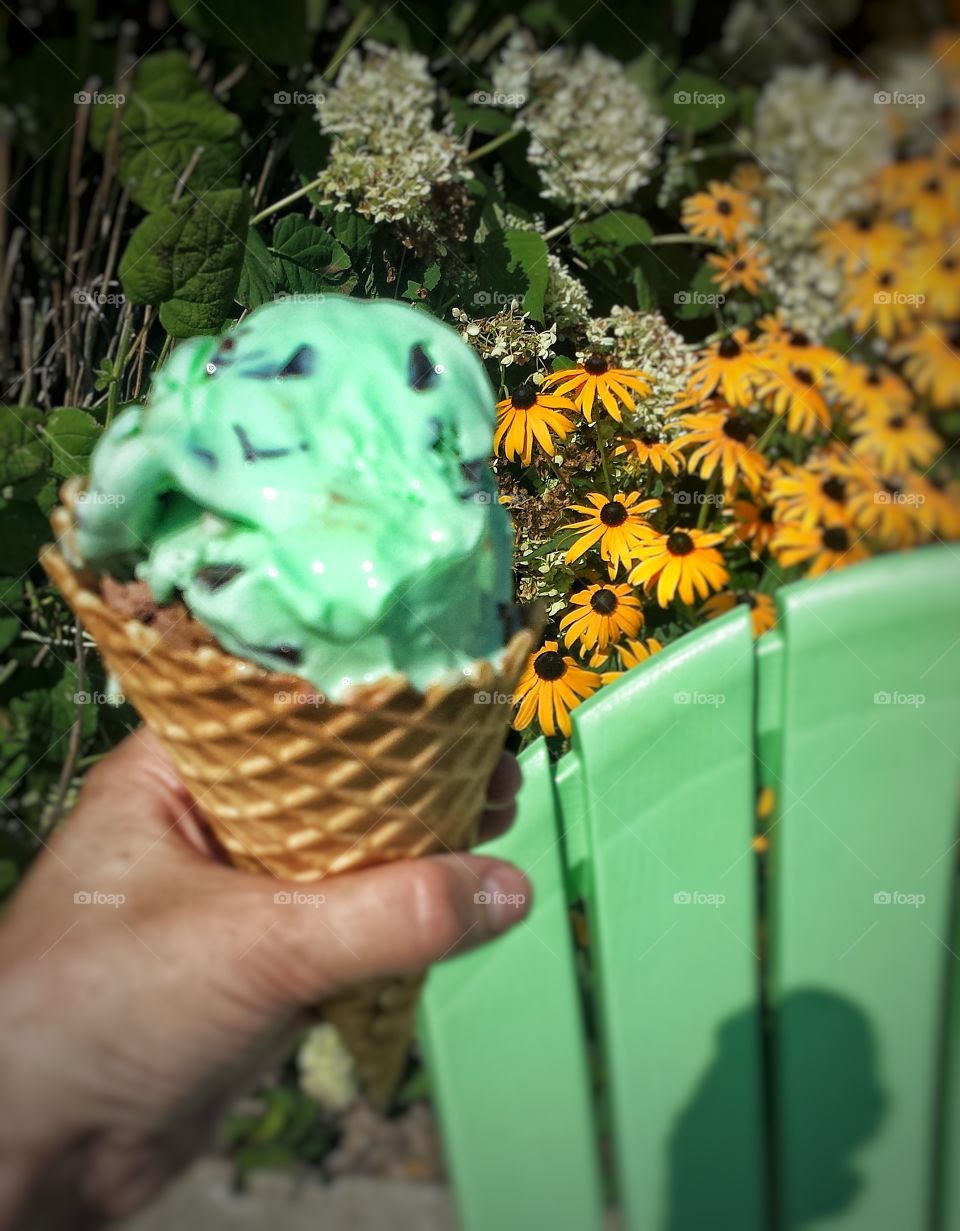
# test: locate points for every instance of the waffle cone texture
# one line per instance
(296, 785)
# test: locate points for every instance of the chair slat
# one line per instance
(863, 858)
(507, 1056)
(666, 760)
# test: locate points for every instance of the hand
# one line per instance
(128, 1023)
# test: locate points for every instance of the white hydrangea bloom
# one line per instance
(594, 132)
(820, 135)
(326, 1069)
(807, 289)
(507, 336)
(566, 301)
(386, 154)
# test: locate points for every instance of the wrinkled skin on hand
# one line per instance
(316, 486)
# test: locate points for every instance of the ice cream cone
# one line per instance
(293, 784)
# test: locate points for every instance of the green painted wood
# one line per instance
(949, 1169)
(863, 859)
(506, 1052)
(665, 757)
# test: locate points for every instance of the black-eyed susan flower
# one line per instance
(933, 267)
(730, 366)
(934, 205)
(551, 685)
(867, 390)
(763, 610)
(941, 511)
(615, 526)
(527, 416)
(882, 299)
(753, 525)
(893, 511)
(597, 378)
(931, 361)
(721, 213)
(862, 242)
(744, 268)
(810, 494)
(600, 615)
(780, 346)
(793, 394)
(684, 561)
(650, 449)
(723, 439)
(823, 548)
(896, 441)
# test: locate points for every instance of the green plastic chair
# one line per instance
(778, 1036)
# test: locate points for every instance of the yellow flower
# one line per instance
(931, 358)
(551, 685)
(763, 610)
(855, 243)
(823, 547)
(779, 347)
(596, 378)
(527, 416)
(615, 526)
(793, 393)
(652, 449)
(730, 366)
(870, 390)
(722, 213)
(744, 268)
(633, 652)
(684, 561)
(896, 442)
(600, 615)
(722, 438)
(753, 525)
(933, 267)
(894, 511)
(884, 300)
(810, 494)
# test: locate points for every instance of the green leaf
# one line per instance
(646, 294)
(311, 260)
(702, 297)
(187, 258)
(72, 433)
(528, 256)
(259, 273)
(697, 103)
(24, 528)
(22, 451)
(603, 239)
(482, 118)
(274, 32)
(168, 118)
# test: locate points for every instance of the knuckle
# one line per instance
(440, 916)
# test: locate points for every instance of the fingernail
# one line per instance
(507, 894)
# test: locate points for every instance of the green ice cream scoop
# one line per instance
(316, 486)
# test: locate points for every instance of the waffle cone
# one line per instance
(302, 787)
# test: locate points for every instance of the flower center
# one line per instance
(729, 348)
(549, 665)
(680, 543)
(886, 278)
(596, 365)
(613, 513)
(949, 263)
(834, 489)
(804, 376)
(745, 598)
(724, 208)
(524, 397)
(953, 336)
(798, 338)
(604, 602)
(739, 265)
(864, 225)
(932, 185)
(835, 537)
(766, 515)
(893, 488)
(737, 429)
(898, 423)
(874, 378)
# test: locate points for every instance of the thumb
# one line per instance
(316, 938)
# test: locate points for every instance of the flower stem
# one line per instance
(293, 196)
(493, 144)
(351, 35)
(707, 502)
(601, 448)
(113, 389)
(679, 237)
